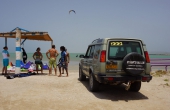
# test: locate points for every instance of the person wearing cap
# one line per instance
(5, 55)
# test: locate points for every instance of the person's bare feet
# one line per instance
(59, 75)
(67, 75)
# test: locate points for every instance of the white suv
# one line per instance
(115, 61)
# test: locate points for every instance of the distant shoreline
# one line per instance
(159, 54)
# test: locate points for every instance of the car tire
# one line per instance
(133, 64)
(135, 86)
(93, 83)
(82, 77)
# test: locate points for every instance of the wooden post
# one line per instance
(18, 52)
(5, 41)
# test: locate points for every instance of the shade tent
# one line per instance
(18, 35)
(44, 36)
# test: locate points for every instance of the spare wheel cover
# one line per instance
(133, 63)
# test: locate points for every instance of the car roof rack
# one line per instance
(95, 40)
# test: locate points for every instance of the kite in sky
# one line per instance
(72, 11)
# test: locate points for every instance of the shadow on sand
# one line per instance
(115, 93)
(12, 74)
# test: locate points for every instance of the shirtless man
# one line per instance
(52, 59)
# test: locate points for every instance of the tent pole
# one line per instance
(18, 51)
(5, 41)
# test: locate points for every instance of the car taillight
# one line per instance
(103, 56)
(147, 57)
(110, 79)
(145, 78)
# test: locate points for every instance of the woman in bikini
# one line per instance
(37, 56)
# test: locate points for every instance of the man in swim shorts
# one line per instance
(5, 55)
(52, 59)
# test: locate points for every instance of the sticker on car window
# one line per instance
(116, 43)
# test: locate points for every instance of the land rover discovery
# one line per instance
(115, 61)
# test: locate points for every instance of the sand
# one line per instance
(43, 92)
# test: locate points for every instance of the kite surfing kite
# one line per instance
(72, 11)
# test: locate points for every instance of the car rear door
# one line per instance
(117, 50)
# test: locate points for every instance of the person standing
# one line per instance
(24, 55)
(67, 60)
(63, 62)
(37, 56)
(68, 56)
(5, 55)
(52, 59)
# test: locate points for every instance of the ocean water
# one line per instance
(159, 56)
(74, 57)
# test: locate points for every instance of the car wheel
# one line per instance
(135, 86)
(82, 77)
(133, 64)
(93, 83)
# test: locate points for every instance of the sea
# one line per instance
(73, 64)
(74, 58)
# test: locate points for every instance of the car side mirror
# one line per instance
(81, 56)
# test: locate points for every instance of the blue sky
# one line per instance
(148, 20)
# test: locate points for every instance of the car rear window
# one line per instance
(119, 49)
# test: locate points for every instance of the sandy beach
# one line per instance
(68, 93)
